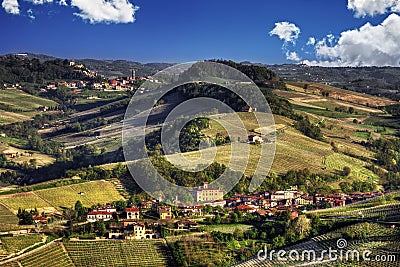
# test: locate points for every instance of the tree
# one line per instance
(346, 171)
(25, 217)
(238, 234)
(302, 226)
(217, 219)
(278, 241)
(99, 228)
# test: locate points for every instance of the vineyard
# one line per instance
(338, 161)
(14, 244)
(381, 240)
(90, 193)
(107, 253)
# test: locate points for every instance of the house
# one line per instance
(186, 225)
(304, 200)
(132, 213)
(192, 210)
(205, 193)
(106, 208)
(255, 139)
(215, 203)
(94, 216)
(10, 153)
(164, 212)
(246, 209)
(285, 194)
(139, 231)
(40, 219)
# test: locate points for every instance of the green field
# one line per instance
(64, 196)
(20, 100)
(20, 105)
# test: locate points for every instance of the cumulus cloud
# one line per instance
(292, 56)
(106, 11)
(11, 6)
(367, 46)
(363, 8)
(286, 31)
(40, 2)
(63, 3)
(311, 41)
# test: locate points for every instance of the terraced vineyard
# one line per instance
(338, 161)
(53, 199)
(7, 217)
(107, 253)
(381, 240)
(118, 253)
(51, 255)
(14, 244)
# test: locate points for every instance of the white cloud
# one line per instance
(371, 8)
(311, 41)
(11, 6)
(286, 31)
(62, 3)
(292, 56)
(40, 2)
(367, 46)
(30, 14)
(105, 11)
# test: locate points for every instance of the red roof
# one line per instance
(244, 207)
(132, 210)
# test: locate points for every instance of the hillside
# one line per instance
(381, 81)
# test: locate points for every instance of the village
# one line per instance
(152, 219)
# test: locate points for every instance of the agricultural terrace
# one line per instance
(14, 244)
(119, 253)
(27, 155)
(50, 255)
(340, 94)
(90, 193)
(380, 239)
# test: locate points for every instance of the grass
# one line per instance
(20, 100)
(25, 105)
(362, 134)
(64, 196)
(324, 113)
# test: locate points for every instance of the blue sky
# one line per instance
(187, 30)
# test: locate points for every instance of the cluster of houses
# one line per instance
(131, 225)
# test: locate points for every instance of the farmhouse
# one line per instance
(99, 216)
(255, 139)
(10, 153)
(132, 213)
